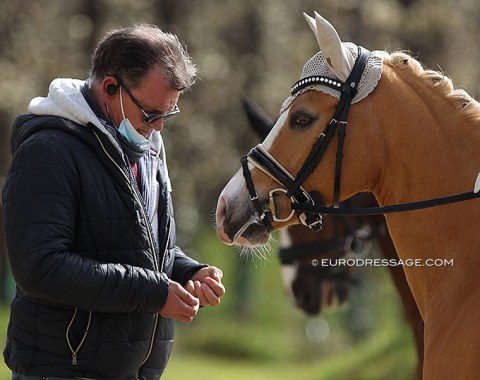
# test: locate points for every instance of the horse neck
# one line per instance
(430, 150)
(430, 146)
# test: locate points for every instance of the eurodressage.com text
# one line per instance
(359, 262)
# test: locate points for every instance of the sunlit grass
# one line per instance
(4, 313)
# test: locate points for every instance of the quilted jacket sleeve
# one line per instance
(184, 267)
(40, 203)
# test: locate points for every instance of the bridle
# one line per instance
(309, 206)
(260, 158)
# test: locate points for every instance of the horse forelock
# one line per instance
(438, 82)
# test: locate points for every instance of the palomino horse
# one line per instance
(413, 141)
(301, 250)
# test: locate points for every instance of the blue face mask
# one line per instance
(132, 136)
(127, 130)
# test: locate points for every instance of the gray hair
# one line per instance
(130, 53)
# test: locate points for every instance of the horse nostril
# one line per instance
(220, 219)
(221, 211)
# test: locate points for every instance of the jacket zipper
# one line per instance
(152, 339)
(137, 196)
(75, 350)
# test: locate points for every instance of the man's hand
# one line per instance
(180, 304)
(206, 285)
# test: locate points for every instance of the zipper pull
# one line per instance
(74, 358)
(139, 217)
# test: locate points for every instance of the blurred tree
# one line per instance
(5, 280)
(242, 47)
(92, 18)
(250, 47)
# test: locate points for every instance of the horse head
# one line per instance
(258, 200)
(310, 284)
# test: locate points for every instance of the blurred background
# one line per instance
(255, 48)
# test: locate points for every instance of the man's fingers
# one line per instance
(190, 287)
(217, 287)
(185, 296)
(179, 310)
(217, 274)
(180, 305)
(185, 319)
(199, 293)
(209, 292)
(212, 298)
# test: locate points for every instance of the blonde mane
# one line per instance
(439, 82)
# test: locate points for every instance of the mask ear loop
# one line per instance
(121, 103)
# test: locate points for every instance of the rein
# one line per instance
(390, 209)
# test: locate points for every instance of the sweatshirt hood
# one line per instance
(66, 100)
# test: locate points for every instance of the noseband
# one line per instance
(300, 198)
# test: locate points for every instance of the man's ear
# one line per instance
(110, 85)
(111, 89)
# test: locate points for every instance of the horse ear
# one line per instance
(261, 123)
(340, 59)
(311, 22)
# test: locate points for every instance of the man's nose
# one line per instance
(158, 125)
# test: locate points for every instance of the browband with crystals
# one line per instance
(315, 79)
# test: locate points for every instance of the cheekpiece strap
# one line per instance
(264, 215)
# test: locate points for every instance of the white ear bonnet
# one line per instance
(341, 57)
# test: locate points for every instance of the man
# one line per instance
(89, 220)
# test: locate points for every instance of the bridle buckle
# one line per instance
(273, 206)
(312, 221)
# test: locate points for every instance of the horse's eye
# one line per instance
(301, 120)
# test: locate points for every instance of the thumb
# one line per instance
(217, 274)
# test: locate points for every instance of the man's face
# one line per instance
(153, 96)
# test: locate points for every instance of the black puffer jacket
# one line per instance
(90, 279)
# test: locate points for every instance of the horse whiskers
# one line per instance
(261, 253)
(213, 218)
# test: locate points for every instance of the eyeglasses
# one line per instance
(149, 117)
